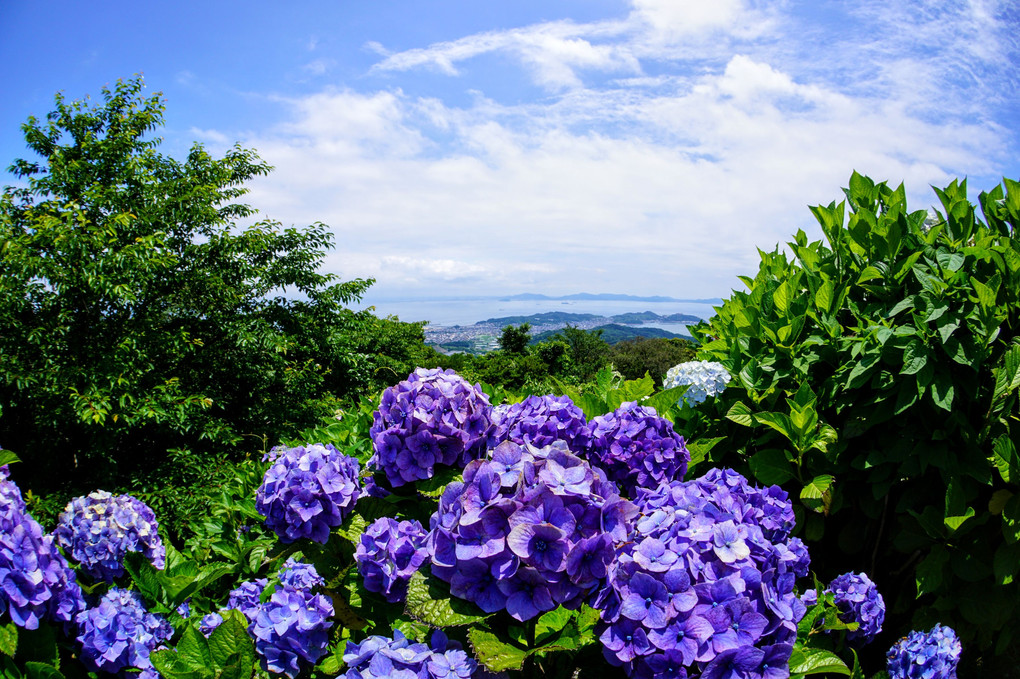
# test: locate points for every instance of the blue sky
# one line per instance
(470, 148)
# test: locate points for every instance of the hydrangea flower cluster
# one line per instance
(528, 529)
(637, 448)
(859, 601)
(389, 552)
(291, 628)
(540, 420)
(98, 530)
(380, 658)
(706, 583)
(704, 379)
(925, 655)
(308, 491)
(120, 632)
(35, 580)
(433, 417)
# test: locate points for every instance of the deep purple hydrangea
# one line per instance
(540, 420)
(308, 491)
(98, 530)
(859, 601)
(378, 657)
(291, 628)
(529, 529)
(433, 417)
(120, 632)
(925, 655)
(35, 580)
(389, 552)
(637, 448)
(209, 622)
(705, 585)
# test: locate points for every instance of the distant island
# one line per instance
(562, 318)
(614, 333)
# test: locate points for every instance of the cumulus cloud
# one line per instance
(641, 174)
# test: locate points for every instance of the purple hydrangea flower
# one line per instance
(433, 417)
(308, 491)
(98, 530)
(704, 379)
(120, 632)
(291, 628)
(379, 657)
(35, 581)
(705, 584)
(526, 531)
(209, 622)
(859, 601)
(389, 552)
(540, 420)
(637, 448)
(925, 655)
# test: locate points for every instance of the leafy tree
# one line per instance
(514, 340)
(588, 351)
(138, 315)
(654, 355)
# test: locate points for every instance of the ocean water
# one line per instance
(470, 311)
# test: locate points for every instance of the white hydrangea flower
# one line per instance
(706, 378)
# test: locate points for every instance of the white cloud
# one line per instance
(655, 184)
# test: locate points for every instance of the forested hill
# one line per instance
(614, 332)
(553, 317)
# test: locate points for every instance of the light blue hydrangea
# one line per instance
(98, 530)
(704, 379)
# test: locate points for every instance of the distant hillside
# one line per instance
(613, 333)
(547, 318)
(608, 297)
(562, 317)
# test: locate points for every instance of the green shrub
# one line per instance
(654, 355)
(876, 376)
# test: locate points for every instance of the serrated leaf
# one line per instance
(435, 486)
(741, 414)
(430, 604)
(665, 399)
(230, 637)
(816, 661)
(193, 649)
(496, 655)
(41, 670)
(770, 467)
(9, 639)
(552, 622)
(1005, 459)
(353, 526)
(777, 421)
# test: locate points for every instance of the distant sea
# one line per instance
(451, 312)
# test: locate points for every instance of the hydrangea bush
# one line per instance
(540, 420)
(99, 529)
(388, 553)
(528, 529)
(703, 379)
(925, 655)
(291, 627)
(36, 582)
(308, 491)
(379, 657)
(859, 600)
(119, 632)
(706, 582)
(637, 448)
(433, 417)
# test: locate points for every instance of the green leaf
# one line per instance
(816, 661)
(823, 297)
(428, 603)
(816, 495)
(953, 523)
(942, 391)
(869, 273)
(783, 296)
(902, 305)
(496, 655)
(771, 467)
(193, 649)
(1005, 459)
(552, 622)
(929, 572)
(40, 670)
(986, 294)
(777, 421)
(9, 639)
(915, 356)
(8, 457)
(230, 638)
(435, 486)
(741, 414)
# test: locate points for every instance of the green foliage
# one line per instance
(588, 352)
(228, 653)
(514, 340)
(137, 316)
(634, 358)
(876, 377)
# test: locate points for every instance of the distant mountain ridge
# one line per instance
(604, 297)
